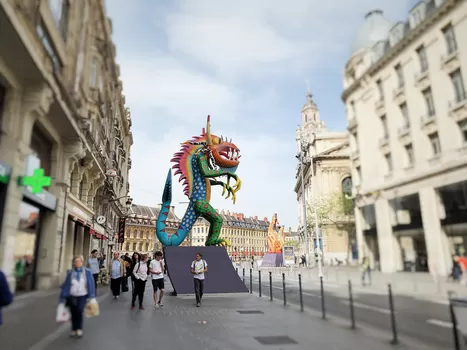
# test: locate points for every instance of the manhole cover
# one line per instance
(276, 340)
(249, 312)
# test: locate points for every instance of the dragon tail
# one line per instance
(165, 238)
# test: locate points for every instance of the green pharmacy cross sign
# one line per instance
(37, 181)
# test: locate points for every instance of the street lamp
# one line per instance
(302, 156)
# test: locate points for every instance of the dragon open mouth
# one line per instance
(230, 154)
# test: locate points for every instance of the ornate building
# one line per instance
(327, 179)
(247, 235)
(140, 229)
(65, 137)
(404, 90)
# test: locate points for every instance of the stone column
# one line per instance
(363, 249)
(437, 245)
(86, 243)
(389, 249)
(79, 241)
(68, 249)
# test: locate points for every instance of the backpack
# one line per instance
(204, 263)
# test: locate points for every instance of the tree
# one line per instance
(334, 209)
(293, 243)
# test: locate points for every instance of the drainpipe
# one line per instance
(62, 236)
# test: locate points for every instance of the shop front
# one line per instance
(82, 227)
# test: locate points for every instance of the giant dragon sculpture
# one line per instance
(276, 240)
(201, 163)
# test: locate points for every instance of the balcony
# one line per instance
(384, 144)
(398, 94)
(404, 134)
(422, 79)
(379, 106)
(458, 108)
(450, 62)
(353, 124)
(428, 123)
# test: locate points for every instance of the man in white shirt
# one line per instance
(156, 269)
(93, 265)
(198, 267)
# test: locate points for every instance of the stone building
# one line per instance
(404, 90)
(63, 116)
(327, 179)
(140, 229)
(247, 235)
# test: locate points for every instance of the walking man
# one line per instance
(93, 265)
(157, 272)
(198, 268)
(117, 274)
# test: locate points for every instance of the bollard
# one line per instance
(455, 332)
(236, 270)
(323, 305)
(395, 340)
(283, 288)
(300, 291)
(352, 311)
(251, 281)
(270, 285)
(243, 275)
(259, 281)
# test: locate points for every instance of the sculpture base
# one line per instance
(220, 278)
(272, 260)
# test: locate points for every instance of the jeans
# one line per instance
(115, 284)
(76, 305)
(199, 288)
(138, 291)
(96, 276)
(364, 274)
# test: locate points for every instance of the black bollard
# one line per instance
(352, 311)
(243, 275)
(323, 304)
(283, 288)
(236, 270)
(455, 332)
(270, 285)
(395, 339)
(251, 281)
(300, 291)
(259, 281)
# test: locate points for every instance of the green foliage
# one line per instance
(293, 243)
(331, 209)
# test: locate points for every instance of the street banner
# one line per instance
(288, 256)
(121, 230)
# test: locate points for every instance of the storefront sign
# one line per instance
(44, 198)
(5, 171)
(37, 181)
(81, 214)
(121, 230)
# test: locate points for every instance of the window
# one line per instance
(400, 75)
(384, 123)
(410, 155)
(352, 109)
(379, 84)
(421, 51)
(49, 47)
(463, 128)
(81, 190)
(93, 71)
(450, 38)
(435, 143)
(59, 10)
(41, 156)
(458, 84)
(430, 105)
(388, 158)
(347, 186)
(405, 114)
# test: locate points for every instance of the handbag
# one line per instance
(63, 314)
(92, 308)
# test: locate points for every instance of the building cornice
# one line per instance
(397, 49)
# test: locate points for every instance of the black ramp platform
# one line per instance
(220, 278)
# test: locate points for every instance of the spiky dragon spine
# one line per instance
(200, 163)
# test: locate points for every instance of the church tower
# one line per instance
(310, 115)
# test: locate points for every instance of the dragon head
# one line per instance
(222, 153)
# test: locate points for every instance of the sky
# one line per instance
(246, 63)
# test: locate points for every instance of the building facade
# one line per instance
(140, 230)
(404, 90)
(65, 138)
(327, 179)
(247, 235)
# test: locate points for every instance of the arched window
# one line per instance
(347, 201)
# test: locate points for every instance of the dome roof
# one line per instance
(374, 29)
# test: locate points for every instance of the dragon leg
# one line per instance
(204, 209)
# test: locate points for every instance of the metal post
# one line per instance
(323, 305)
(315, 212)
(259, 281)
(251, 281)
(395, 340)
(283, 288)
(243, 275)
(300, 291)
(352, 311)
(455, 331)
(305, 228)
(270, 285)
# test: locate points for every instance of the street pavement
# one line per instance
(218, 324)
(417, 320)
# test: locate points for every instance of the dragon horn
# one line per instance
(208, 130)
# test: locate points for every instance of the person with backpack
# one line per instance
(198, 267)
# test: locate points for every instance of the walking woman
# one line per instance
(78, 286)
(140, 275)
(135, 258)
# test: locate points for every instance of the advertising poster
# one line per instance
(288, 256)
